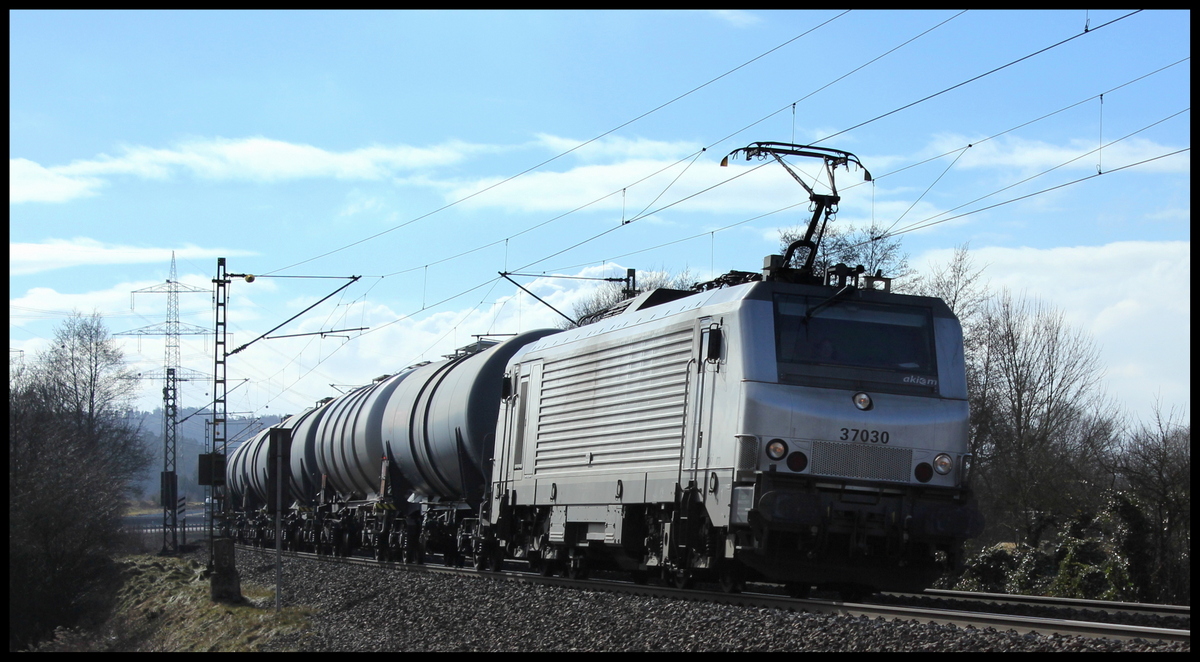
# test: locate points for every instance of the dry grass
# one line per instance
(163, 605)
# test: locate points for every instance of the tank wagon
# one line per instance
(770, 426)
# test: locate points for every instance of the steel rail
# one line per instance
(1184, 611)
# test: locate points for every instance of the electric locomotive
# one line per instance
(807, 434)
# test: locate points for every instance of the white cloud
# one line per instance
(360, 204)
(633, 185)
(30, 182)
(45, 302)
(1036, 155)
(736, 17)
(616, 147)
(31, 258)
(250, 159)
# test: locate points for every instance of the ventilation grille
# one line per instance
(619, 407)
(861, 461)
(747, 453)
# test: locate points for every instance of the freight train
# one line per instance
(779, 426)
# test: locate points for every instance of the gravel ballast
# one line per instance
(369, 609)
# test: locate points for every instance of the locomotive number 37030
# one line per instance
(872, 436)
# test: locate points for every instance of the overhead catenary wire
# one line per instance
(692, 155)
(643, 215)
(960, 150)
(928, 189)
(910, 40)
(838, 79)
(925, 223)
(562, 154)
(451, 328)
(877, 177)
(1046, 190)
(975, 78)
(980, 141)
(679, 241)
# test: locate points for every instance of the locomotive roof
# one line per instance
(765, 290)
(661, 303)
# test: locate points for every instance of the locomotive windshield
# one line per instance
(888, 343)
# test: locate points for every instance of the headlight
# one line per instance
(776, 449)
(943, 464)
(862, 401)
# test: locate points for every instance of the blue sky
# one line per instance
(388, 144)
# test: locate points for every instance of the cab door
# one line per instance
(701, 377)
(513, 451)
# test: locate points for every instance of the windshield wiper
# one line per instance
(813, 311)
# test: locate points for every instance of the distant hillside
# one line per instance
(191, 436)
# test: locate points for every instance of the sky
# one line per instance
(430, 151)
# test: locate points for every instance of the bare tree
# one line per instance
(1155, 464)
(610, 294)
(72, 459)
(1044, 426)
(961, 285)
(87, 370)
(865, 246)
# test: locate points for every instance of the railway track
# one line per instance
(967, 610)
(1182, 612)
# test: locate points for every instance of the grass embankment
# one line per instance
(163, 605)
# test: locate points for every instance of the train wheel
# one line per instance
(542, 566)
(576, 567)
(731, 578)
(681, 578)
(495, 560)
(485, 555)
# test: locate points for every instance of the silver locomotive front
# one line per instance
(852, 439)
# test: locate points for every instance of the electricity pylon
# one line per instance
(172, 373)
